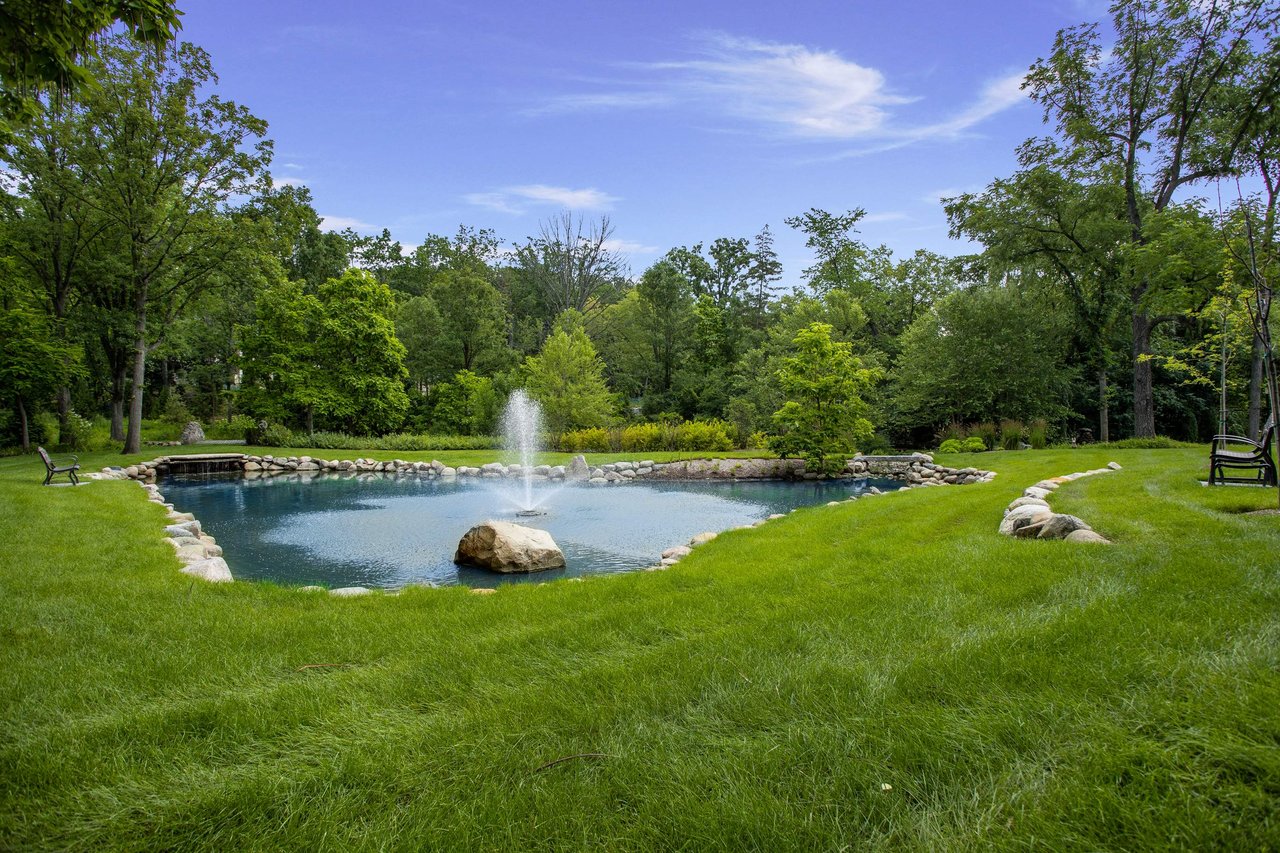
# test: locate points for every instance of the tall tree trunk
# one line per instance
(133, 437)
(1104, 409)
(310, 421)
(22, 418)
(117, 413)
(1255, 389)
(64, 408)
(1144, 408)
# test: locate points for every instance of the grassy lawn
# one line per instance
(885, 673)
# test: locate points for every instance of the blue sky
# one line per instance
(682, 121)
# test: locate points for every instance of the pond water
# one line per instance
(391, 531)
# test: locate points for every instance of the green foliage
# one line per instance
(43, 44)
(236, 428)
(419, 328)
(703, 435)
(567, 378)
(1038, 434)
(1011, 434)
(76, 432)
(824, 417)
(1155, 442)
(473, 320)
(468, 405)
(397, 441)
(984, 353)
(987, 432)
(331, 356)
(279, 435)
(689, 436)
(34, 359)
(639, 437)
(972, 444)
(593, 439)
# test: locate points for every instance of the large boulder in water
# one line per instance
(578, 469)
(505, 547)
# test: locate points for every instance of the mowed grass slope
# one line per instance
(885, 673)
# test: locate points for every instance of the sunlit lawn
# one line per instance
(884, 673)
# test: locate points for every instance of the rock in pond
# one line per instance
(505, 547)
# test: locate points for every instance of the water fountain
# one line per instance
(522, 431)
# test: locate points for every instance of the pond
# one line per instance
(390, 532)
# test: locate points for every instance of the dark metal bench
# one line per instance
(51, 469)
(1235, 451)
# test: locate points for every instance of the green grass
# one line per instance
(760, 695)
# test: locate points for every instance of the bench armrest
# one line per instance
(1236, 439)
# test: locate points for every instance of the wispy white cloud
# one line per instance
(630, 247)
(886, 216)
(797, 90)
(287, 181)
(996, 96)
(938, 195)
(500, 202)
(337, 223)
(518, 199)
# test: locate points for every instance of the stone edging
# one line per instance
(1030, 517)
(200, 553)
(914, 469)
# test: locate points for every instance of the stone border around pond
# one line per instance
(1030, 517)
(203, 557)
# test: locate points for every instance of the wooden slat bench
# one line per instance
(1238, 452)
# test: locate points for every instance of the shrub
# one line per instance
(988, 432)
(1159, 442)
(953, 431)
(399, 441)
(953, 445)
(176, 411)
(43, 429)
(1010, 434)
(278, 435)
(641, 437)
(592, 439)
(234, 429)
(76, 434)
(973, 444)
(703, 435)
(1038, 434)
(757, 441)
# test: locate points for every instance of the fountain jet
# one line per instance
(522, 430)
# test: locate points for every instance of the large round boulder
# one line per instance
(505, 547)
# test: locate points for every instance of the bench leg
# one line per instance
(75, 481)
(48, 476)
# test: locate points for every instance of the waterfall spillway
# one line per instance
(522, 430)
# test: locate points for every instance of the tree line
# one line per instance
(152, 269)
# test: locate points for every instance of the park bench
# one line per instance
(51, 469)
(1235, 451)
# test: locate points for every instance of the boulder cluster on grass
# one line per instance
(1031, 517)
